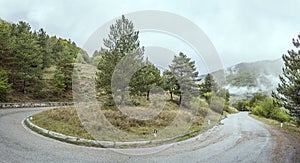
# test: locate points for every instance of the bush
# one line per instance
(267, 108)
(242, 105)
(208, 96)
(202, 107)
(258, 110)
(280, 115)
(230, 109)
(256, 99)
(217, 104)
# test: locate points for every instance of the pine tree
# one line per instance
(97, 55)
(169, 82)
(28, 61)
(288, 91)
(66, 54)
(145, 79)
(122, 41)
(5, 86)
(209, 85)
(7, 58)
(59, 83)
(184, 71)
(45, 48)
(5, 45)
(24, 55)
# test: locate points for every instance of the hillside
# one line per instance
(35, 66)
(245, 79)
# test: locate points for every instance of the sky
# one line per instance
(241, 31)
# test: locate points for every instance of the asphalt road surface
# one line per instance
(239, 139)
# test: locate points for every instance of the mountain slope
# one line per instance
(246, 79)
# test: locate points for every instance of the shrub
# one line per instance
(208, 96)
(230, 109)
(267, 108)
(258, 110)
(242, 105)
(280, 115)
(202, 107)
(256, 99)
(217, 104)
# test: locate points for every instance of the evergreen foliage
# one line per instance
(288, 91)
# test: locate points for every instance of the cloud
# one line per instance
(240, 30)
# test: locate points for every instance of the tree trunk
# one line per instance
(24, 86)
(148, 93)
(122, 101)
(180, 99)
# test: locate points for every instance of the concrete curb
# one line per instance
(104, 144)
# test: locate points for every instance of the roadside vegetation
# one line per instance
(266, 109)
(262, 105)
(287, 127)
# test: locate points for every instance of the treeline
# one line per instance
(123, 73)
(265, 106)
(34, 65)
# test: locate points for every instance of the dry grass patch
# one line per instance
(111, 124)
(62, 120)
(287, 127)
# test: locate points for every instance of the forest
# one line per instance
(35, 66)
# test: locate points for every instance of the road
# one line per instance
(239, 139)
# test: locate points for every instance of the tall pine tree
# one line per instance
(5, 44)
(27, 66)
(45, 48)
(288, 91)
(66, 54)
(5, 87)
(122, 41)
(185, 72)
(209, 85)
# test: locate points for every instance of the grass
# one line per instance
(62, 120)
(64, 140)
(287, 127)
(113, 125)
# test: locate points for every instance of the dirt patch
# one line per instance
(287, 147)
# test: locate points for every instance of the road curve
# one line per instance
(239, 139)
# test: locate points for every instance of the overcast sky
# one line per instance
(241, 31)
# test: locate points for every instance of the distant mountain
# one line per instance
(245, 79)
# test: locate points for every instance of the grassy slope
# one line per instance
(62, 120)
(287, 127)
(66, 121)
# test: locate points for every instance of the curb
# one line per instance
(103, 144)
